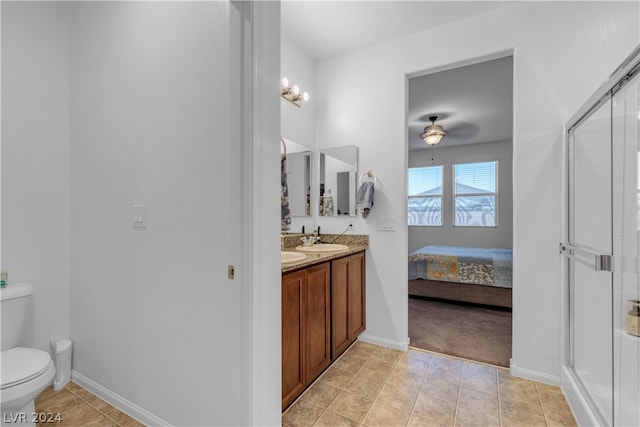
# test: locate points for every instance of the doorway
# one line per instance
(460, 210)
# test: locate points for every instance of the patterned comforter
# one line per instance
(490, 267)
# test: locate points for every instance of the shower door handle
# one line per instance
(588, 256)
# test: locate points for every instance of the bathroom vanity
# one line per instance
(323, 312)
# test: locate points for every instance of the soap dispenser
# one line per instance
(633, 318)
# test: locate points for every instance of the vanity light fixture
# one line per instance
(292, 94)
(433, 133)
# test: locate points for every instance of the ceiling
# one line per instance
(474, 102)
(323, 29)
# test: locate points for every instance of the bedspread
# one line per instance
(480, 266)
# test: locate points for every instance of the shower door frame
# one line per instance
(580, 402)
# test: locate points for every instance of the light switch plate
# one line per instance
(386, 223)
(139, 216)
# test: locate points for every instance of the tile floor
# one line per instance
(79, 408)
(376, 386)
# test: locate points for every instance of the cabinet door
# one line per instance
(340, 334)
(318, 321)
(356, 295)
(293, 324)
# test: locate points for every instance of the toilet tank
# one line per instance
(17, 314)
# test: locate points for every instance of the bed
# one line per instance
(472, 275)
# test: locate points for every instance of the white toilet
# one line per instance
(26, 372)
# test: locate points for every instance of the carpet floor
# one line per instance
(472, 332)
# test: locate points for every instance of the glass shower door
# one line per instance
(626, 250)
(590, 249)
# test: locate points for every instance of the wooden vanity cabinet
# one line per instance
(306, 328)
(347, 301)
(323, 312)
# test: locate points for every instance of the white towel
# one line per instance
(364, 199)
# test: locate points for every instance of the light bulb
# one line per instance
(285, 82)
(296, 90)
(305, 96)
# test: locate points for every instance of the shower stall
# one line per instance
(601, 372)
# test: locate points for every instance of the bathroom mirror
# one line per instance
(338, 181)
(299, 160)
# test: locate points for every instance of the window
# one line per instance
(425, 196)
(475, 193)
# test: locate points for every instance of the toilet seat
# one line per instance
(20, 365)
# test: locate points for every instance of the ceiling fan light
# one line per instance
(433, 133)
(432, 139)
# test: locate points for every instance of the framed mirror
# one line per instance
(338, 181)
(299, 161)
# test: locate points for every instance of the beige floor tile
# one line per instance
(443, 369)
(101, 421)
(60, 401)
(320, 394)
(403, 377)
(336, 377)
(375, 370)
(427, 420)
(479, 377)
(564, 418)
(511, 388)
(552, 398)
(92, 399)
(414, 361)
(387, 356)
(477, 408)
(135, 423)
(444, 362)
(302, 414)
(476, 419)
(518, 411)
(78, 415)
(382, 414)
(428, 389)
(362, 350)
(120, 417)
(351, 405)
(329, 419)
(349, 362)
(438, 410)
(364, 385)
(442, 390)
(398, 396)
(46, 394)
(73, 387)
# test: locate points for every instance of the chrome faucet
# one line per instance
(308, 241)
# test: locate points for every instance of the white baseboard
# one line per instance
(398, 345)
(117, 401)
(533, 375)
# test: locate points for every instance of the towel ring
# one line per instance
(284, 147)
(370, 174)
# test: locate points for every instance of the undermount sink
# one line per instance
(323, 247)
(291, 256)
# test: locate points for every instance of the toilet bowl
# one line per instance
(26, 372)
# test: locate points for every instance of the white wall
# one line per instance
(35, 159)
(490, 237)
(298, 123)
(562, 52)
(154, 317)
(115, 103)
